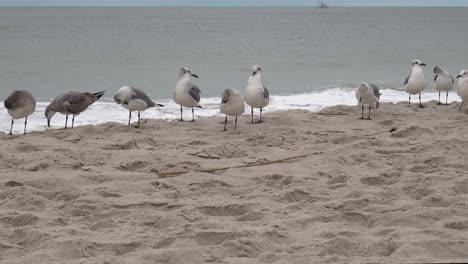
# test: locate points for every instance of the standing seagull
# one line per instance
(256, 94)
(415, 83)
(20, 104)
(134, 99)
(463, 86)
(232, 104)
(71, 103)
(187, 94)
(368, 94)
(443, 81)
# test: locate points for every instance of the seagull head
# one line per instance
(463, 73)
(185, 70)
(362, 88)
(49, 114)
(417, 62)
(256, 69)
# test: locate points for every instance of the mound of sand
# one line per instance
(300, 188)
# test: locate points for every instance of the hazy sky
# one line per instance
(232, 2)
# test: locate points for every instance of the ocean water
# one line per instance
(311, 58)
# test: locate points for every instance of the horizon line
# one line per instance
(234, 6)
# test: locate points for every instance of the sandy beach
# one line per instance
(302, 187)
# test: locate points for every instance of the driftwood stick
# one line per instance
(259, 163)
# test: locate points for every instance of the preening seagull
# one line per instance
(187, 94)
(443, 82)
(256, 94)
(20, 104)
(415, 83)
(463, 86)
(232, 104)
(367, 94)
(134, 99)
(71, 103)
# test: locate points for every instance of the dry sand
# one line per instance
(105, 194)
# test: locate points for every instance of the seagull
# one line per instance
(463, 86)
(232, 104)
(443, 81)
(71, 103)
(134, 99)
(20, 104)
(256, 94)
(187, 94)
(368, 94)
(415, 83)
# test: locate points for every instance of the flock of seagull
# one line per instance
(368, 94)
(21, 103)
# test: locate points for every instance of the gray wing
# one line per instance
(435, 77)
(266, 93)
(375, 89)
(72, 98)
(139, 94)
(19, 98)
(406, 80)
(76, 103)
(451, 77)
(194, 91)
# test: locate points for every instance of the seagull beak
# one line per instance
(423, 64)
(160, 105)
(458, 76)
(253, 73)
(194, 75)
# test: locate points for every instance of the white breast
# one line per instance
(443, 83)
(22, 112)
(235, 106)
(136, 105)
(416, 82)
(181, 93)
(463, 88)
(254, 94)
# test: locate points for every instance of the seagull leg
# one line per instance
(439, 99)
(225, 121)
(446, 98)
(11, 128)
(368, 118)
(362, 111)
(409, 100)
(181, 120)
(73, 120)
(420, 104)
(252, 114)
(129, 117)
(461, 106)
(235, 124)
(261, 110)
(138, 119)
(66, 121)
(193, 115)
(25, 123)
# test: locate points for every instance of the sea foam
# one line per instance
(108, 111)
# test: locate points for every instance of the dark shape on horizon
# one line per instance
(323, 5)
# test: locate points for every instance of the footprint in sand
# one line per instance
(278, 181)
(132, 165)
(20, 220)
(225, 210)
